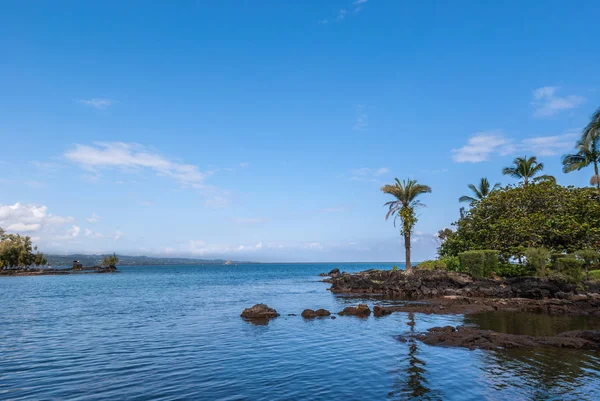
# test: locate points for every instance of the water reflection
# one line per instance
(414, 384)
(533, 324)
(541, 373)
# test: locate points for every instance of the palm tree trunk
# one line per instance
(408, 268)
(597, 176)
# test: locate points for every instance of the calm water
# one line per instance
(174, 333)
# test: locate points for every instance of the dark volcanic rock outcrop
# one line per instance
(474, 338)
(433, 284)
(362, 310)
(259, 311)
(311, 314)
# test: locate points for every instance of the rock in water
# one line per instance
(362, 310)
(311, 314)
(259, 311)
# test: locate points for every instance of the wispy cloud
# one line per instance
(362, 119)
(365, 173)
(549, 145)
(131, 157)
(355, 6)
(94, 218)
(481, 146)
(547, 103)
(97, 103)
(358, 5)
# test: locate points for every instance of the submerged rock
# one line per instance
(259, 311)
(474, 338)
(362, 310)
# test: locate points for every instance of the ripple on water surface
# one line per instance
(173, 333)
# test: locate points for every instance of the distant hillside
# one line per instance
(124, 260)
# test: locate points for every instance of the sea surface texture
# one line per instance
(174, 333)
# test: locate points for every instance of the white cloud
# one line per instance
(549, 145)
(196, 247)
(97, 103)
(362, 119)
(480, 146)
(74, 231)
(365, 173)
(130, 156)
(117, 235)
(94, 218)
(24, 227)
(546, 103)
(28, 217)
(92, 234)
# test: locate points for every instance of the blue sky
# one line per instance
(263, 130)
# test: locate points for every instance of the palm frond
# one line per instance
(468, 199)
(545, 178)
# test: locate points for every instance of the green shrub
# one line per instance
(569, 267)
(538, 260)
(555, 256)
(452, 263)
(594, 275)
(479, 263)
(432, 265)
(590, 257)
(514, 270)
(394, 268)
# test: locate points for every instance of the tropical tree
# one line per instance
(479, 192)
(403, 206)
(592, 130)
(588, 153)
(545, 215)
(526, 169)
(110, 260)
(18, 252)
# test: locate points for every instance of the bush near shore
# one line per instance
(539, 262)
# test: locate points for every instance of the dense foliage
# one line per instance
(110, 260)
(17, 251)
(479, 263)
(513, 219)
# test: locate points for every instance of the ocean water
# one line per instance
(174, 333)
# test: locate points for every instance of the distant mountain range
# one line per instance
(124, 260)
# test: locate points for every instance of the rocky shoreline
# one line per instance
(475, 338)
(57, 272)
(443, 292)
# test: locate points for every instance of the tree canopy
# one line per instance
(17, 251)
(544, 214)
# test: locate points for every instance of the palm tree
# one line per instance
(592, 130)
(588, 153)
(526, 169)
(482, 192)
(403, 206)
